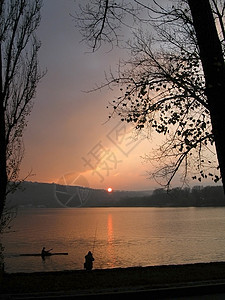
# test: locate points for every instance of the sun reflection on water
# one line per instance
(110, 242)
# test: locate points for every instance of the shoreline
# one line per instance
(117, 279)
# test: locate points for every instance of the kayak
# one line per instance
(39, 254)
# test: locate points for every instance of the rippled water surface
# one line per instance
(118, 237)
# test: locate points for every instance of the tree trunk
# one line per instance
(214, 70)
(3, 171)
(3, 175)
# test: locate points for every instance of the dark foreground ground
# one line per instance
(118, 280)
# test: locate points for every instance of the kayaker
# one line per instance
(45, 252)
(88, 265)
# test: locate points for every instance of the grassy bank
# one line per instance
(80, 280)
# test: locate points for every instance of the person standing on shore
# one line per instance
(88, 265)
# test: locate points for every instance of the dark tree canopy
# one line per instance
(163, 84)
(19, 77)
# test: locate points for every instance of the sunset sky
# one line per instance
(68, 137)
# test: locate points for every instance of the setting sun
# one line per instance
(109, 190)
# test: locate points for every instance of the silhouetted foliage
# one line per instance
(164, 86)
(19, 77)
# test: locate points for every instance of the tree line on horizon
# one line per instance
(197, 196)
(45, 195)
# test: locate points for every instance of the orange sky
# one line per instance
(67, 130)
(67, 135)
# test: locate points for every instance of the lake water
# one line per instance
(118, 237)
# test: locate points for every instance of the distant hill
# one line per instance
(33, 194)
